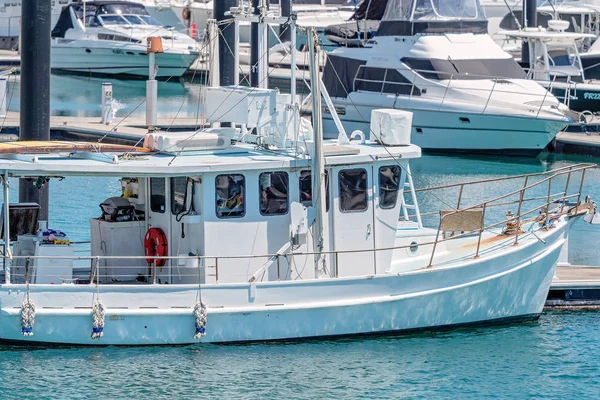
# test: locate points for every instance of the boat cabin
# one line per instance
(219, 208)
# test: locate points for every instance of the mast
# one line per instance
(318, 161)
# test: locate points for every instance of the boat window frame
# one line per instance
(260, 193)
(242, 193)
(397, 190)
(366, 191)
(305, 203)
(177, 209)
(152, 194)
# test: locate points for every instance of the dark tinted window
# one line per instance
(178, 194)
(230, 196)
(305, 181)
(353, 190)
(383, 80)
(274, 193)
(157, 195)
(389, 183)
(465, 69)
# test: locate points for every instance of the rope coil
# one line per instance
(98, 317)
(27, 317)
(201, 316)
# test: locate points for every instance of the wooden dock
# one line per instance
(120, 131)
(580, 143)
(575, 287)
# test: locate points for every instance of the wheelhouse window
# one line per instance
(438, 69)
(274, 193)
(305, 181)
(230, 196)
(157, 195)
(383, 80)
(389, 183)
(353, 190)
(178, 194)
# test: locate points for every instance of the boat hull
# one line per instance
(583, 97)
(132, 62)
(504, 287)
(452, 131)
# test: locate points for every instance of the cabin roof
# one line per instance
(546, 35)
(237, 158)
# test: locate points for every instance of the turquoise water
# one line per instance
(555, 357)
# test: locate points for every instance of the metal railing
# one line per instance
(550, 199)
(444, 82)
(517, 220)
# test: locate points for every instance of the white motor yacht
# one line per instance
(436, 60)
(108, 37)
(224, 236)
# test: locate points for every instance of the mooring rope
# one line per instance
(27, 308)
(200, 311)
(201, 317)
(98, 312)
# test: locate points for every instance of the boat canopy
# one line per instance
(411, 17)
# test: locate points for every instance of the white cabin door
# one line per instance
(159, 216)
(352, 219)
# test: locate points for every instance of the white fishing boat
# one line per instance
(108, 37)
(268, 233)
(466, 94)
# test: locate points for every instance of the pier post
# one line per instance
(285, 34)
(226, 42)
(529, 21)
(35, 88)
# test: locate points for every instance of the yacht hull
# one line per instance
(583, 97)
(118, 61)
(511, 285)
(452, 131)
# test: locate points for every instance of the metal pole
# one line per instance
(263, 49)
(35, 87)
(6, 229)
(227, 40)
(254, 57)
(293, 79)
(151, 93)
(318, 162)
(213, 53)
(236, 52)
(285, 33)
(529, 21)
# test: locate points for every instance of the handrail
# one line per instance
(505, 178)
(431, 83)
(549, 198)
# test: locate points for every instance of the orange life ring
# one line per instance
(155, 245)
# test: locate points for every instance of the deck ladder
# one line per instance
(408, 184)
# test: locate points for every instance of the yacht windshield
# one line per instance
(134, 19)
(438, 69)
(148, 20)
(121, 9)
(432, 10)
(113, 20)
